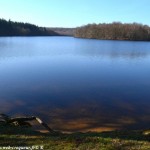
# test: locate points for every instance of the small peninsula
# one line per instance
(114, 31)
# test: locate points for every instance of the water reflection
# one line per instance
(31, 47)
(87, 116)
(113, 49)
(76, 84)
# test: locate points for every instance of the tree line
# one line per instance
(114, 31)
(10, 28)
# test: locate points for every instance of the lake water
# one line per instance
(76, 84)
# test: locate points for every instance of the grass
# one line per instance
(114, 140)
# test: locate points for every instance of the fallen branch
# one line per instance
(23, 121)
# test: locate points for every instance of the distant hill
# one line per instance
(10, 28)
(114, 31)
(64, 31)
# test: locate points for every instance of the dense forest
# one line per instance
(10, 28)
(114, 31)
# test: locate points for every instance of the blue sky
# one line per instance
(72, 13)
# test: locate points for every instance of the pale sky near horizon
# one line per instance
(73, 13)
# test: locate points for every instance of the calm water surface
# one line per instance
(76, 84)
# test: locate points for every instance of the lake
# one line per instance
(76, 84)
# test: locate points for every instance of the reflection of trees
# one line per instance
(117, 54)
(130, 55)
(113, 49)
(10, 47)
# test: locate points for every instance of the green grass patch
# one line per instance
(115, 140)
